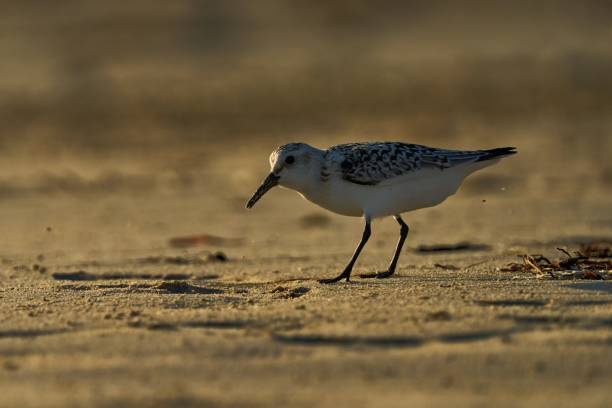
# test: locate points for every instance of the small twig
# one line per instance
(530, 261)
(565, 252)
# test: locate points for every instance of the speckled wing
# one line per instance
(373, 163)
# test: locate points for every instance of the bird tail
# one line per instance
(496, 153)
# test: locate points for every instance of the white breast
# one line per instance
(421, 189)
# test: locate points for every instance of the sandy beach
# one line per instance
(133, 133)
(98, 308)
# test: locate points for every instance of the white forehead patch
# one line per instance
(273, 157)
(290, 147)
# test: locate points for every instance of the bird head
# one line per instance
(289, 167)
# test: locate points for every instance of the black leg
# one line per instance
(346, 273)
(398, 249)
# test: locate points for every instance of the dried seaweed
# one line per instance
(597, 250)
(578, 266)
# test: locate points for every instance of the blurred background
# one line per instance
(128, 126)
(153, 90)
(191, 96)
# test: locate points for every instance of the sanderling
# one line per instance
(373, 180)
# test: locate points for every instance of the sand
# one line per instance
(99, 310)
(127, 125)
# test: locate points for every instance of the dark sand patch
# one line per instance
(30, 333)
(86, 276)
(596, 286)
(391, 341)
(184, 287)
(460, 246)
(512, 302)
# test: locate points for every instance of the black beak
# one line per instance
(268, 183)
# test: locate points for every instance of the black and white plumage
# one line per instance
(372, 163)
(375, 179)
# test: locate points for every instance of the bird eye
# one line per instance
(289, 159)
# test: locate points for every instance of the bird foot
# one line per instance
(336, 279)
(377, 275)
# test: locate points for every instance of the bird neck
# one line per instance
(311, 182)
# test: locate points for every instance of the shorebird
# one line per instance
(374, 180)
